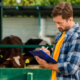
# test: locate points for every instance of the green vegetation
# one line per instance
(39, 2)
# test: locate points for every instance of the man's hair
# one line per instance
(63, 8)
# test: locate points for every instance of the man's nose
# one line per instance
(57, 25)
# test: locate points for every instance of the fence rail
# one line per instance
(26, 46)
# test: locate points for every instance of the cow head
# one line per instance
(16, 61)
(12, 56)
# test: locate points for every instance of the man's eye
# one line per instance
(58, 23)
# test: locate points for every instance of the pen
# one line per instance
(47, 48)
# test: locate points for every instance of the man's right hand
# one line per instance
(45, 50)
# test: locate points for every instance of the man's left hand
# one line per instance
(41, 62)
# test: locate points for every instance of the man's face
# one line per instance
(62, 24)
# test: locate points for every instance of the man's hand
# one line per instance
(41, 62)
(45, 50)
(47, 65)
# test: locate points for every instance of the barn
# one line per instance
(40, 26)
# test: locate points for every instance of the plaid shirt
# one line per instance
(69, 56)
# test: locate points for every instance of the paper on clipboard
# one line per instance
(43, 55)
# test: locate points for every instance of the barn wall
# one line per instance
(27, 28)
(24, 28)
(51, 29)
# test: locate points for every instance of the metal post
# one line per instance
(22, 49)
(29, 76)
(1, 15)
(39, 21)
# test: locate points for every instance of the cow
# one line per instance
(11, 57)
(30, 58)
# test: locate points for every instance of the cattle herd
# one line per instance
(12, 57)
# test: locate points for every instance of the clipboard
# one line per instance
(43, 55)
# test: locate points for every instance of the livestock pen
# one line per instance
(27, 73)
(24, 73)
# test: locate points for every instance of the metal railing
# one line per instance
(26, 46)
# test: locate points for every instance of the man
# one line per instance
(68, 66)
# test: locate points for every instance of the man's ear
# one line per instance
(71, 19)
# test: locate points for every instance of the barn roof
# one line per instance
(33, 10)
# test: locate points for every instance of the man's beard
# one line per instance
(62, 30)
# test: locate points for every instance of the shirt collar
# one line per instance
(72, 30)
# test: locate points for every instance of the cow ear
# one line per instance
(23, 43)
(8, 59)
(23, 53)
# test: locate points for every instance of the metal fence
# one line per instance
(28, 46)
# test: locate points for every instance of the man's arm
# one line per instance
(71, 65)
(47, 65)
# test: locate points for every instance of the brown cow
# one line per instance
(11, 57)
